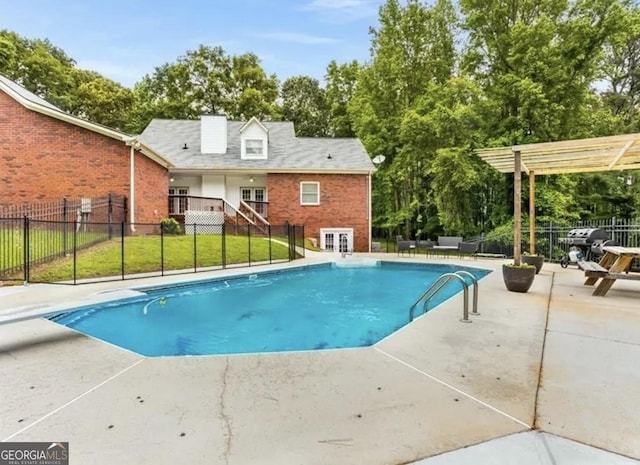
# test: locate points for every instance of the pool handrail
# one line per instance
(437, 286)
(474, 282)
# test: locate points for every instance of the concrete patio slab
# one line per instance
(590, 392)
(44, 366)
(510, 328)
(437, 388)
(309, 407)
(532, 448)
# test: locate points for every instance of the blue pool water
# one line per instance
(307, 308)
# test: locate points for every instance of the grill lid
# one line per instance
(587, 235)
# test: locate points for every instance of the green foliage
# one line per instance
(304, 103)
(456, 181)
(170, 226)
(206, 81)
(341, 84)
(412, 49)
(522, 265)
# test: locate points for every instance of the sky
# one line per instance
(126, 39)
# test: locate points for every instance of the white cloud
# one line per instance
(298, 38)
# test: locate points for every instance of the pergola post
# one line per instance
(517, 208)
(532, 212)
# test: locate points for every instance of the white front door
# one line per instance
(336, 240)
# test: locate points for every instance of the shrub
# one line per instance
(170, 226)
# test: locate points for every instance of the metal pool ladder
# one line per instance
(440, 284)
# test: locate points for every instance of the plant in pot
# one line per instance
(518, 277)
(533, 259)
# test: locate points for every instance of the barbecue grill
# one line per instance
(589, 242)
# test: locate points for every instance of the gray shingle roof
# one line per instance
(25, 94)
(286, 152)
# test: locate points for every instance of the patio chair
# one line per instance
(426, 245)
(406, 246)
(468, 248)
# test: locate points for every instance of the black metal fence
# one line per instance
(61, 252)
(550, 238)
(52, 227)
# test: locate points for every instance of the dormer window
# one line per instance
(254, 140)
(254, 148)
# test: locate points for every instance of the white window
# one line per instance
(178, 197)
(254, 148)
(310, 193)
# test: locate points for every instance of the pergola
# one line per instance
(613, 153)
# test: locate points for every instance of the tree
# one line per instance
(303, 102)
(537, 63)
(104, 101)
(538, 60)
(38, 66)
(413, 48)
(204, 81)
(621, 71)
(341, 83)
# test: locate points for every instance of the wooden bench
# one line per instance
(595, 270)
(592, 268)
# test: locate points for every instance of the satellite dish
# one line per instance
(378, 159)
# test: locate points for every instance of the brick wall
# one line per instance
(343, 204)
(43, 159)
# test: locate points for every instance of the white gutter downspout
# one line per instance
(132, 190)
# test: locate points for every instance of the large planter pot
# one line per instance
(535, 260)
(518, 278)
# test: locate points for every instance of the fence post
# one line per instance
(161, 250)
(304, 249)
(65, 211)
(270, 242)
(110, 215)
(292, 233)
(224, 245)
(550, 240)
(195, 250)
(249, 243)
(25, 248)
(75, 256)
(613, 228)
(122, 248)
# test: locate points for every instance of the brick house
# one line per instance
(269, 175)
(47, 154)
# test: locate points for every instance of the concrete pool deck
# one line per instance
(547, 377)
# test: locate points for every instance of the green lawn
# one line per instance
(43, 243)
(144, 254)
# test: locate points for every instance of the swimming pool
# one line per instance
(306, 308)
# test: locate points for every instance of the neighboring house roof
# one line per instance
(287, 153)
(32, 102)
